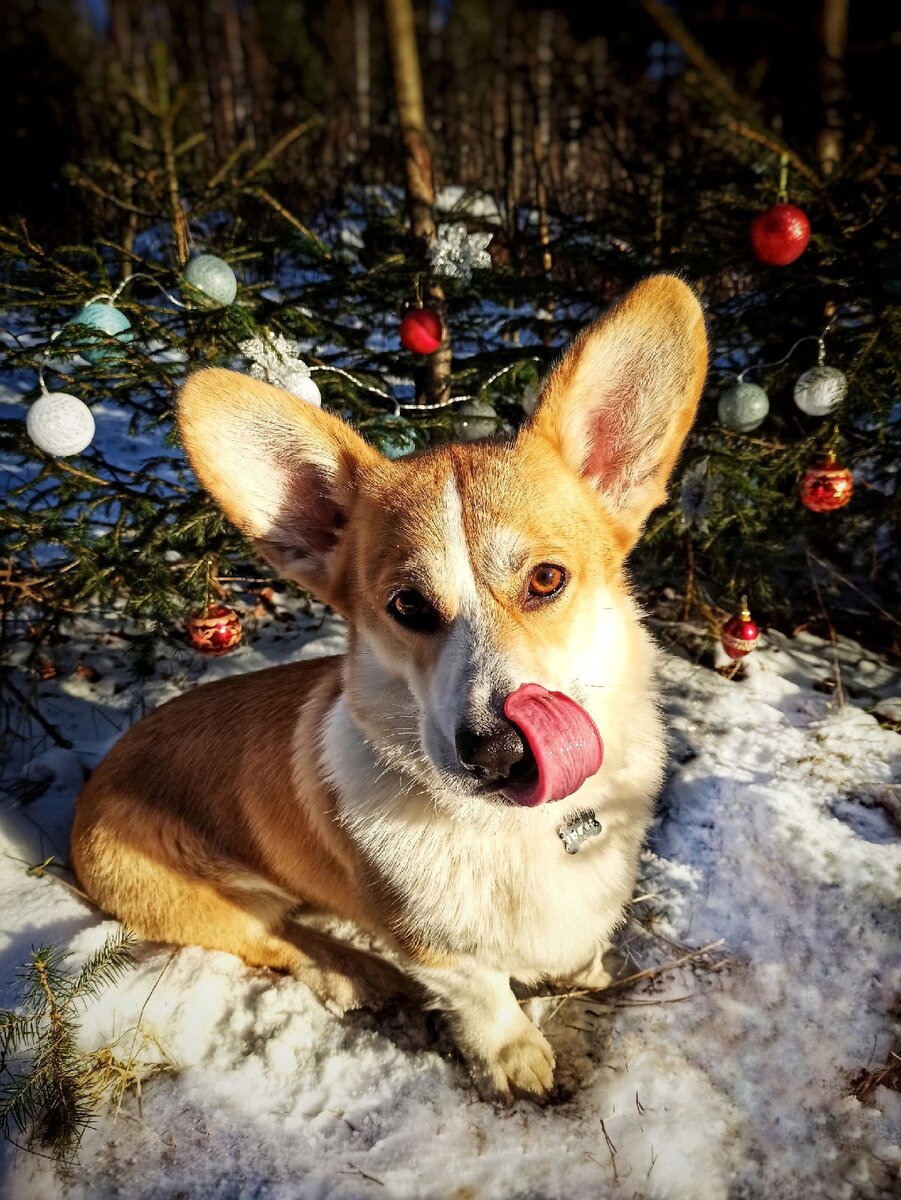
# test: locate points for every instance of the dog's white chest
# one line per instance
(498, 885)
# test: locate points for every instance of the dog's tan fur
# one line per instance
(226, 815)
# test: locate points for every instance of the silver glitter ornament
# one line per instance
(276, 360)
(743, 407)
(820, 390)
(456, 253)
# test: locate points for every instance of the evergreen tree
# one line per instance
(334, 272)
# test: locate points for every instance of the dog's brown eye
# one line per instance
(411, 609)
(546, 580)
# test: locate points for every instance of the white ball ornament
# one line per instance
(214, 278)
(820, 390)
(303, 385)
(743, 407)
(60, 424)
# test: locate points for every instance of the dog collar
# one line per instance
(581, 826)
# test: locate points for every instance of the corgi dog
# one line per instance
(470, 784)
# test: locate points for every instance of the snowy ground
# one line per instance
(727, 1076)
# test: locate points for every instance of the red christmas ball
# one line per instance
(420, 331)
(780, 235)
(739, 635)
(215, 631)
(826, 485)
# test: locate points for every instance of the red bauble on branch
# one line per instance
(780, 235)
(826, 485)
(420, 331)
(215, 631)
(739, 635)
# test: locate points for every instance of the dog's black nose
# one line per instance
(491, 757)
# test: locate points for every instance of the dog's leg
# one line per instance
(219, 906)
(507, 1054)
(594, 975)
(342, 975)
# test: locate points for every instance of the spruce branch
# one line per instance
(52, 1088)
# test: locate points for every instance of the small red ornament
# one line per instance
(215, 631)
(780, 235)
(420, 331)
(826, 485)
(739, 634)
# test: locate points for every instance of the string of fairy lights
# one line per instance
(61, 424)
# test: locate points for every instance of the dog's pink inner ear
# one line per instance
(311, 518)
(621, 400)
(607, 452)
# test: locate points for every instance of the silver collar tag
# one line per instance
(581, 826)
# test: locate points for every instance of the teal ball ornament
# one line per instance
(213, 279)
(474, 420)
(393, 436)
(743, 407)
(97, 323)
(60, 424)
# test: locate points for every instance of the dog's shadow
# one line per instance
(578, 1026)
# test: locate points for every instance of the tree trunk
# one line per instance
(362, 75)
(833, 39)
(517, 123)
(541, 133)
(434, 385)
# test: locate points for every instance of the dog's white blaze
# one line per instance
(470, 671)
(457, 564)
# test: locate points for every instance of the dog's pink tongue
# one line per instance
(563, 739)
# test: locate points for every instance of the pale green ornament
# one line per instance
(743, 407)
(474, 420)
(97, 322)
(530, 396)
(214, 278)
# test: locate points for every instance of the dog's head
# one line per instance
(470, 570)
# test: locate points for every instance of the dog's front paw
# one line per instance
(521, 1066)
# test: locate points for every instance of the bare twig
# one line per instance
(778, 147)
(838, 575)
(611, 1149)
(262, 194)
(47, 727)
(839, 690)
(134, 1040)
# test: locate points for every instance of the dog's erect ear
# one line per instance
(621, 400)
(283, 470)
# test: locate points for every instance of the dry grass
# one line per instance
(865, 1082)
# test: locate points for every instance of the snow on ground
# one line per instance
(727, 1076)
